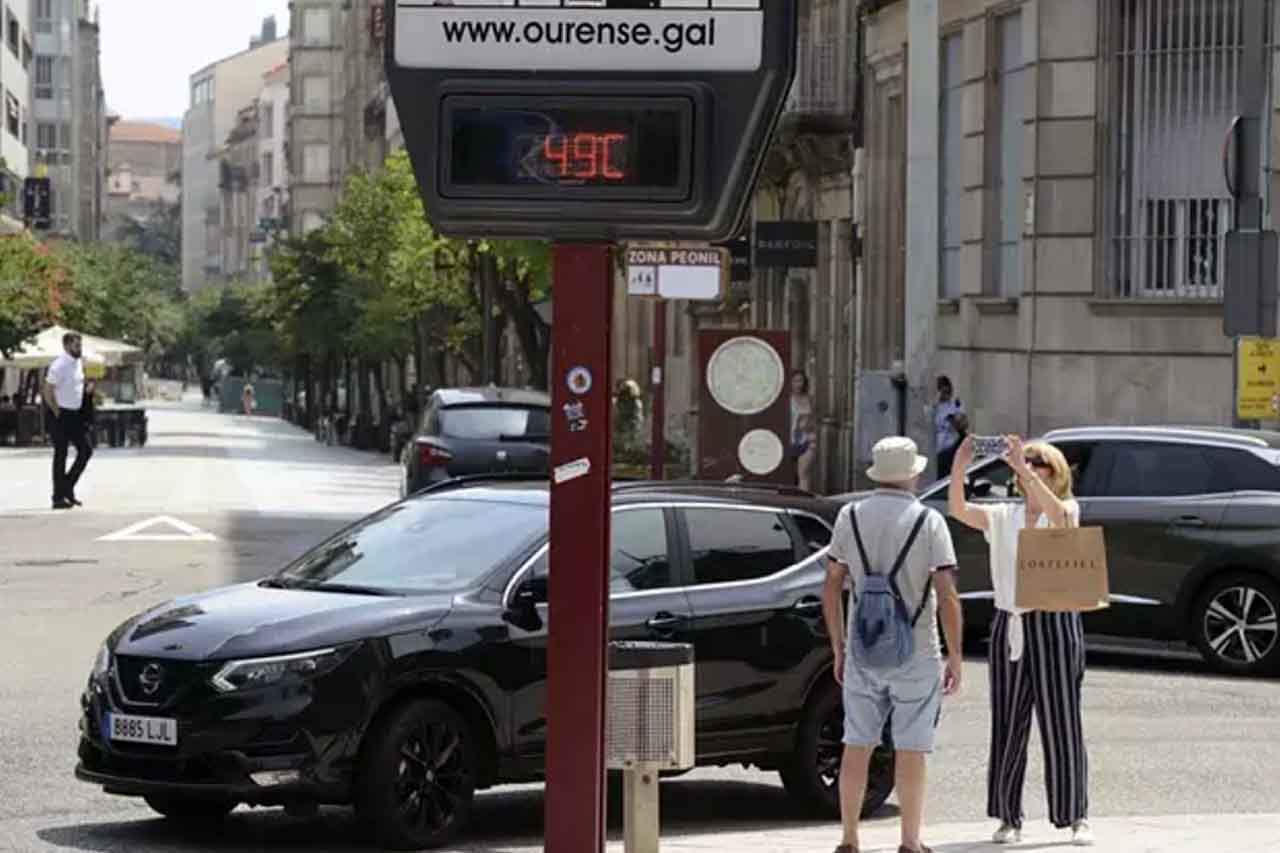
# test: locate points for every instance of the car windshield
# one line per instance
(495, 422)
(428, 545)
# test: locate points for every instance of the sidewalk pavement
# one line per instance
(1178, 834)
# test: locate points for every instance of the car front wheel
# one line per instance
(187, 810)
(812, 776)
(1235, 624)
(417, 779)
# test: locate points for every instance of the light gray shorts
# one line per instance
(911, 694)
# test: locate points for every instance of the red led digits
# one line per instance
(585, 156)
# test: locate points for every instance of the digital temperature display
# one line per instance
(608, 150)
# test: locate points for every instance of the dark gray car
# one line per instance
(1192, 521)
(469, 431)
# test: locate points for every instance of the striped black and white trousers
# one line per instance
(1047, 680)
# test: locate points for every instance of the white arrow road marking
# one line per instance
(135, 532)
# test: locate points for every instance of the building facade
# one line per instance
(1082, 207)
(15, 87)
(69, 112)
(218, 94)
(272, 203)
(317, 138)
(144, 162)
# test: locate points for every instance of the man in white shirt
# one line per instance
(64, 396)
(890, 532)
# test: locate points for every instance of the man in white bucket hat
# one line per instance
(891, 533)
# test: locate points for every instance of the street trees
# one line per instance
(32, 279)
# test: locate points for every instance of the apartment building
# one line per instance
(219, 92)
(364, 106)
(144, 161)
(69, 112)
(15, 88)
(317, 135)
(273, 174)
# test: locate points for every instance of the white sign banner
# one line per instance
(586, 35)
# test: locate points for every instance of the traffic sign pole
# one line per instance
(581, 499)
(658, 440)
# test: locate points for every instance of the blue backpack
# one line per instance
(881, 634)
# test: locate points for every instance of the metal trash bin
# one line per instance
(649, 728)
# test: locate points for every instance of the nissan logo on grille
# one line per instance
(151, 678)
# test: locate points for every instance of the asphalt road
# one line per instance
(1166, 738)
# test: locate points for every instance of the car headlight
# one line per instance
(102, 663)
(263, 672)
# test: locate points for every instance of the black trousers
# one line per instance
(68, 428)
(1047, 680)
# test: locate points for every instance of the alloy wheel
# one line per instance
(431, 778)
(1240, 625)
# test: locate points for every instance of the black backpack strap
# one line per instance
(857, 537)
(928, 587)
(906, 548)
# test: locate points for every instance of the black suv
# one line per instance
(401, 665)
(470, 431)
(1192, 521)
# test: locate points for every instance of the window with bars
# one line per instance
(1174, 87)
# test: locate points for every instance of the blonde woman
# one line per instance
(1037, 658)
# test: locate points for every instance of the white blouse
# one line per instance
(1004, 521)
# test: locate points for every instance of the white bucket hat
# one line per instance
(897, 460)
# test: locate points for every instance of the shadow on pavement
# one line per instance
(502, 820)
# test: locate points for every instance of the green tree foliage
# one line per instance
(32, 278)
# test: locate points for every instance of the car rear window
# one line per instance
(1161, 470)
(737, 545)
(495, 422)
(1244, 471)
(425, 545)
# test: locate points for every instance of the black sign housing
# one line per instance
(595, 154)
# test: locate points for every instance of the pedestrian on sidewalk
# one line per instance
(804, 430)
(950, 424)
(1037, 658)
(248, 399)
(899, 556)
(64, 396)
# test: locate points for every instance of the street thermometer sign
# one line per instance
(589, 119)
(586, 122)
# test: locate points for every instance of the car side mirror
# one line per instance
(523, 609)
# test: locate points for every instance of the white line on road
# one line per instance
(134, 532)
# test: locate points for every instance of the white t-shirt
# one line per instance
(66, 374)
(885, 519)
(945, 434)
(1004, 521)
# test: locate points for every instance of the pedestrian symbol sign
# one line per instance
(1258, 379)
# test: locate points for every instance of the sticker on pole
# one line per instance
(579, 35)
(579, 380)
(677, 272)
(572, 471)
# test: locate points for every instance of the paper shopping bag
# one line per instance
(1062, 569)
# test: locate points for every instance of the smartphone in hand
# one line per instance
(990, 445)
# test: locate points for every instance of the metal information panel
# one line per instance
(589, 119)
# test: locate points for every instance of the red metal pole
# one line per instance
(581, 457)
(658, 441)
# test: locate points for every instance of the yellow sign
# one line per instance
(1258, 379)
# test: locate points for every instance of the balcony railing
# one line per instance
(824, 95)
